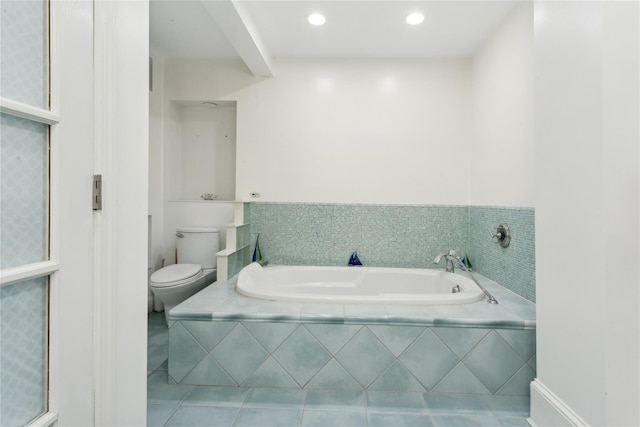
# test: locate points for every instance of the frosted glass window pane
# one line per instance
(24, 51)
(23, 351)
(23, 191)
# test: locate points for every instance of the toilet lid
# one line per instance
(175, 273)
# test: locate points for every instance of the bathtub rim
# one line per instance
(221, 302)
(245, 286)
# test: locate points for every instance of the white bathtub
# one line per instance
(356, 285)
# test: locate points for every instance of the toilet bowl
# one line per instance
(196, 250)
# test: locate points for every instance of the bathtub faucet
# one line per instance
(452, 257)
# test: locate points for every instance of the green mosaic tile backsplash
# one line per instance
(397, 236)
(513, 267)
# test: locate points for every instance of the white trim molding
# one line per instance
(30, 271)
(547, 409)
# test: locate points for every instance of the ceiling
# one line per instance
(225, 29)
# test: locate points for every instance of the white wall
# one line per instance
(165, 164)
(156, 180)
(343, 131)
(206, 147)
(502, 152)
(587, 211)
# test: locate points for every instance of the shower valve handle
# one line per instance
(502, 234)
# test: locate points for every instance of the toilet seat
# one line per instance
(176, 275)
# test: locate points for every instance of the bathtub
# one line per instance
(368, 285)
(220, 337)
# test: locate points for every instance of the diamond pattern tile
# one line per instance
(184, 352)
(333, 337)
(208, 372)
(522, 341)
(460, 340)
(208, 334)
(239, 354)
(460, 380)
(428, 359)
(397, 378)
(395, 338)
(293, 355)
(270, 374)
(333, 377)
(270, 335)
(302, 355)
(365, 369)
(493, 361)
(518, 384)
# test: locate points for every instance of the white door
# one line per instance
(72, 337)
(47, 156)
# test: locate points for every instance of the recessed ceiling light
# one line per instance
(414, 18)
(316, 19)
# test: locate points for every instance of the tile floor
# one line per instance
(193, 406)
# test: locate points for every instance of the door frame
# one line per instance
(98, 297)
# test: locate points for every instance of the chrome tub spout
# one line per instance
(452, 257)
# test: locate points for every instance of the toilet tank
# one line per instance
(197, 245)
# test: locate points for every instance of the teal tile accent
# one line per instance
(460, 380)
(396, 339)
(252, 417)
(239, 354)
(461, 340)
(333, 337)
(270, 374)
(428, 359)
(399, 420)
(465, 420)
(208, 372)
(493, 361)
(208, 334)
(324, 352)
(243, 236)
(396, 402)
(384, 235)
(187, 416)
(275, 398)
(365, 369)
(302, 355)
(455, 404)
(216, 396)
(398, 236)
(513, 267)
(333, 418)
(396, 378)
(336, 400)
(333, 377)
(159, 391)
(519, 383)
(523, 341)
(184, 352)
(157, 415)
(508, 406)
(270, 335)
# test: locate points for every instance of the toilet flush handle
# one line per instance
(179, 234)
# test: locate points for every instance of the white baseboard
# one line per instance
(548, 410)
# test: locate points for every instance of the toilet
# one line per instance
(195, 267)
